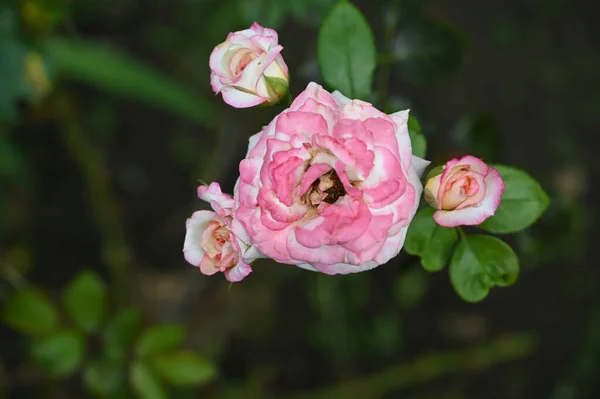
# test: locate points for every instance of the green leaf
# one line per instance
(29, 312)
(523, 202)
(427, 51)
(144, 383)
(481, 262)
(159, 339)
(103, 378)
(115, 72)
(85, 300)
(184, 368)
(346, 51)
(120, 333)
(60, 354)
(417, 139)
(432, 242)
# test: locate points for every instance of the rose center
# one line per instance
(240, 61)
(327, 188)
(470, 187)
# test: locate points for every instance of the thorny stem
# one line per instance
(116, 253)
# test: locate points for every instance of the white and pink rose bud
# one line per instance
(467, 192)
(248, 69)
(330, 184)
(215, 241)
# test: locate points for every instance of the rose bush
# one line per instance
(214, 241)
(467, 192)
(248, 69)
(330, 184)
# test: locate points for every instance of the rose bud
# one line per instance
(467, 192)
(248, 69)
(215, 241)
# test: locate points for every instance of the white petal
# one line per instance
(240, 99)
(342, 99)
(195, 227)
(420, 164)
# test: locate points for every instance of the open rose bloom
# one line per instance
(330, 184)
(467, 192)
(247, 69)
(214, 241)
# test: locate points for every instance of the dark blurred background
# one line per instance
(107, 122)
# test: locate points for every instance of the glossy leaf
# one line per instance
(85, 300)
(346, 51)
(523, 202)
(184, 368)
(144, 382)
(432, 242)
(417, 139)
(479, 263)
(30, 312)
(115, 72)
(426, 51)
(160, 338)
(60, 354)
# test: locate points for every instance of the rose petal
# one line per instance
(208, 266)
(240, 99)
(212, 193)
(475, 215)
(238, 272)
(195, 227)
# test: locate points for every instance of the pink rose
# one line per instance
(466, 193)
(330, 184)
(215, 241)
(248, 68)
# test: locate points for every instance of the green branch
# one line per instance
(429, 367)
(116, 253)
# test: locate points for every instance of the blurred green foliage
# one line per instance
(426, 50)
(118, 73)
(378, 334)
(60, 350)
(479, 134)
